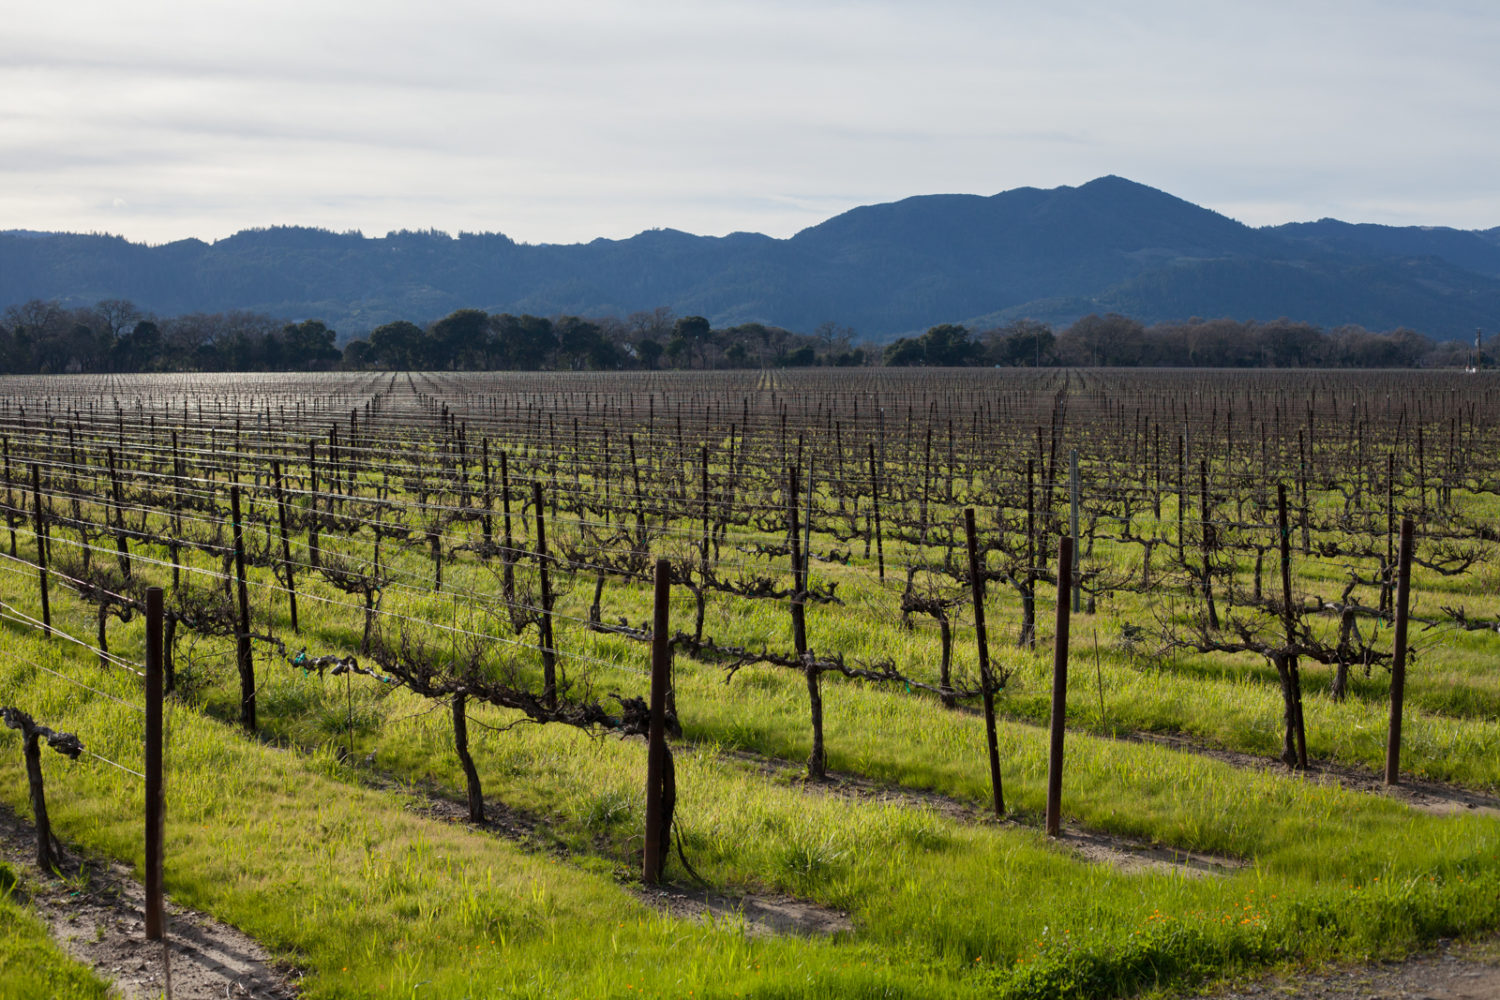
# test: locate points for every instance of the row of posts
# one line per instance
(1066, 603)
(660, 681)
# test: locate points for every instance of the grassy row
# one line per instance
(334, 875)
(366, 896)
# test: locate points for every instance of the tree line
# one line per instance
(114, 335)
(1117, 341)
(41, 337)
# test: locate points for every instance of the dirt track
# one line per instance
(1451, 972)
(95, 912)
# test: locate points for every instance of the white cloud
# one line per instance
(571, 120)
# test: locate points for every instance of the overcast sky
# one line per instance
(564, 121)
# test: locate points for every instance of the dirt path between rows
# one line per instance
(763, 913)
(95, 913)
(1435, 797)
(1096, 846)
(1454, 971)
(1425, 796)
(776, 913)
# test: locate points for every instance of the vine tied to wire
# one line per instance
(66, 744)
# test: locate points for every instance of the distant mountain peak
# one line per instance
(1052, 254)
(1115, 181)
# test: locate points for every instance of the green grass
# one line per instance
(336, 877)
(326, 871)
(31, 965)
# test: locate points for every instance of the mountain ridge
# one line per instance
(1055, 254)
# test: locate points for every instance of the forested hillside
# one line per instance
(1057, 255)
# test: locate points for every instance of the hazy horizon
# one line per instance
(456, 234)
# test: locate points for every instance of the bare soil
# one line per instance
(1453, 971)
(95, 911)
(763, 914)
(1136, 856)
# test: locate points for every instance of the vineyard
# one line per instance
(979, 683)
